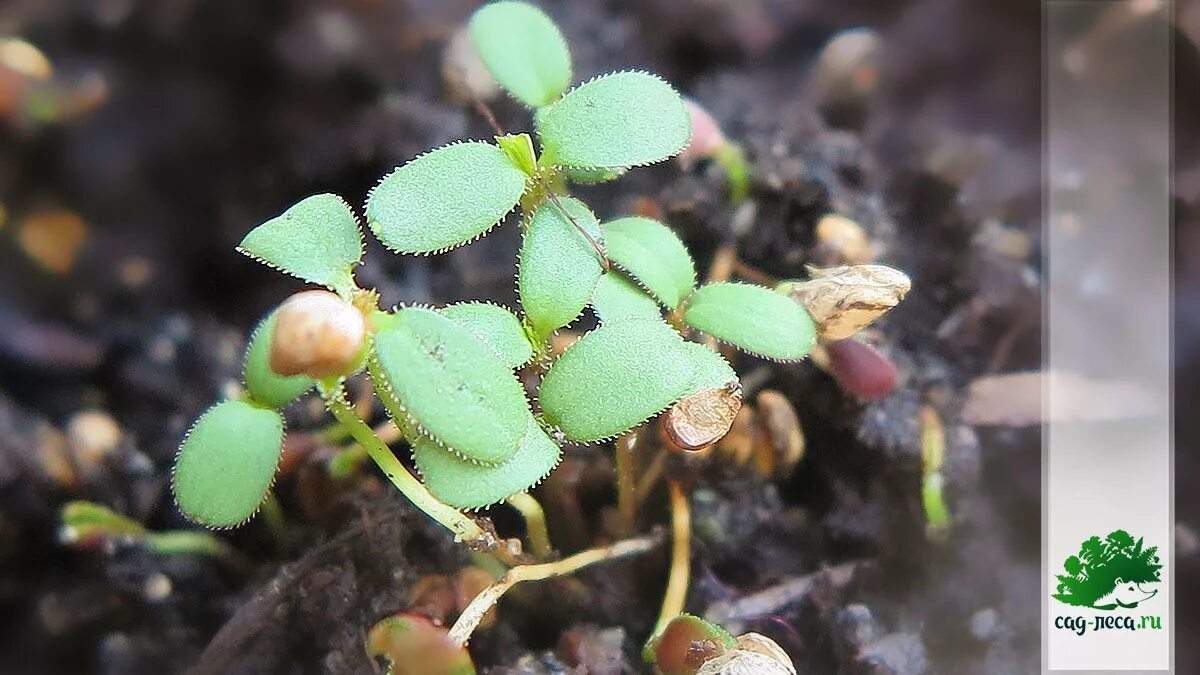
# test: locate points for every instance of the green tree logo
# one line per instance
(1109, 573)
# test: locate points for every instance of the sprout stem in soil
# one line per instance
(681, 554)
(535, 523)
(461, 632)
(626, 447)
(464, 528)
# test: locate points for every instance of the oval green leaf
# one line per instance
(558, 268)
(752, 318)
(619, 298)
(262, 383)
(614, 121)
(710, 370)
(455, 387)
(227, 463)
(317, 240)
(615, 378)
(586, 176)
(653, 254)
(497, 327)
(524, 51)
(466, 485)
(445, 198)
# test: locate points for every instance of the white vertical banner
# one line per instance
(1107, 439)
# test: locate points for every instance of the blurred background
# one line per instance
(139, 141)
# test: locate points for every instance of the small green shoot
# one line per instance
(453, 379)
(86, 524)
(412, 645)
(685, 644)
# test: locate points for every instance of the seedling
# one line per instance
(86, 525)
(448, 375)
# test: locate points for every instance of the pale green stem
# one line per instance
(535, 523)
(181, 542)
(461, 632)
(733, 161)
(462, 526)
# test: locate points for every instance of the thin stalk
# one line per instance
(681, 554)
(651, 475)
(275, 521)
(461, 632)
(733, 161)
(181, 542)
(463, 527)
(627, 505)
(535, 523)
(488, 115)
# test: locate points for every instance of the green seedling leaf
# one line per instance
(615, 378)
(653, 255)
(752, 318)
(588, 176)
(497, 327)
(524, 51)
(519, 148)
(454, 386)
(317, 240)
(710, 370)
(85, 523)
(615, 121)
(685, 643)
(227, 463)
(466, 485)
(619, 298)
(445, 198)
(414, 646)
(558, 268)
(262, 383)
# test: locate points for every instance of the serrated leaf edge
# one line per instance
(625, 167)
(362, 246)
(604, 439)
(532, 347)
(270, 486)
(445, 249)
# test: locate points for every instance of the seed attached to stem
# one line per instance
(317, 334)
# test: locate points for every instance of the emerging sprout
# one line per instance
(317, 334)
(685, 644)
(412, 645)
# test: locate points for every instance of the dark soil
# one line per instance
(220, 114)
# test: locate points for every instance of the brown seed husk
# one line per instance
(844, 300)
(781, 427)
(700, 420)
